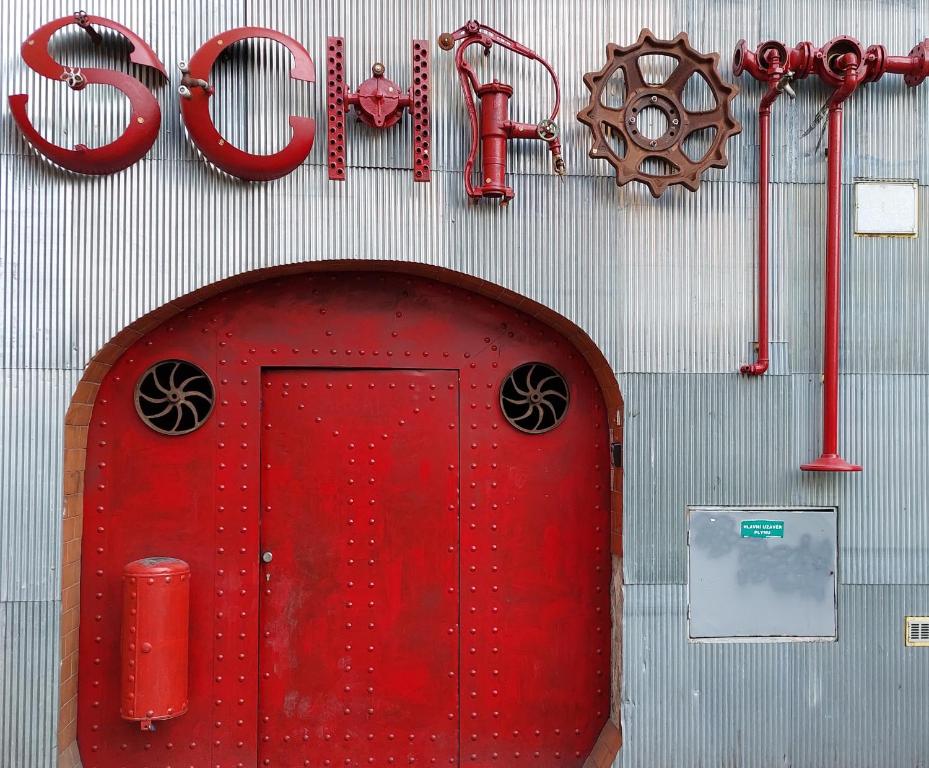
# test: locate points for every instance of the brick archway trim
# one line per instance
(78, 416)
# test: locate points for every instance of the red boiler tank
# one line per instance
(155, 628)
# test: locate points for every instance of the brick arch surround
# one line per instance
(79, 414)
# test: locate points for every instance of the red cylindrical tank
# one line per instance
(155, 630)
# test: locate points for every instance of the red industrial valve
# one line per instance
(843, 64)
(494, 128)
(379, 103)
(154, 641)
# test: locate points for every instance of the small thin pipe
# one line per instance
(762, 359)
(898, 65)
(760, 366)
(904, 65)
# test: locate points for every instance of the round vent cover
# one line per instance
(534, 398)
(174, 397)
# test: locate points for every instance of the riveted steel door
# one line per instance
(358, 658)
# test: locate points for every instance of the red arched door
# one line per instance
(394, 497)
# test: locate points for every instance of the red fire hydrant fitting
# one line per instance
(494, 128)
(845, 65)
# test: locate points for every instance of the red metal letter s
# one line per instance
(195, 94)
(145, 114)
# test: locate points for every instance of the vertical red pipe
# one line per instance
(764, 150)
(830, 460)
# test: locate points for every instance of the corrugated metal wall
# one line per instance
(664, 287)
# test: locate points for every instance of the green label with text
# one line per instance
(762, 529)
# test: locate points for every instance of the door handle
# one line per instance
(266, 557)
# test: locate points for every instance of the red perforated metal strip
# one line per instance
(422, 128)
(335, 106)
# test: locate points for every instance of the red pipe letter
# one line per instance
(145, 115)
(195, 96)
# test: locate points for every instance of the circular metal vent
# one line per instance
(534, 398)
(174, 397)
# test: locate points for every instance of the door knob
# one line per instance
(266, 557)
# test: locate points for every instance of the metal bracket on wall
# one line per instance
(378, 103)
(616, 455)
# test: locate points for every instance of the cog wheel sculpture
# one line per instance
(622, 123)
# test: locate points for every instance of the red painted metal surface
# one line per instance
(379, 103)
(493, 128)
(359, 611)
(532, 609)
(843, 64)
(144, 113)
(196, 91)
(155, 634)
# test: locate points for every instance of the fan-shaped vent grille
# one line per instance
(174, 397)
(534, 398)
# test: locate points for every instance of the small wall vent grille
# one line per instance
(917, 631)
(174, 397)
(534, 398)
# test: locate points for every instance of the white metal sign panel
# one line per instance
(886, 208)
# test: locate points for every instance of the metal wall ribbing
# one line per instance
(665, 288)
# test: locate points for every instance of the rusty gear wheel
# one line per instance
(622, 123)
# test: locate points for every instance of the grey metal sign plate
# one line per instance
(761, 573)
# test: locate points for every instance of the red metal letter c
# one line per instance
(195, 111)
(145, 114)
